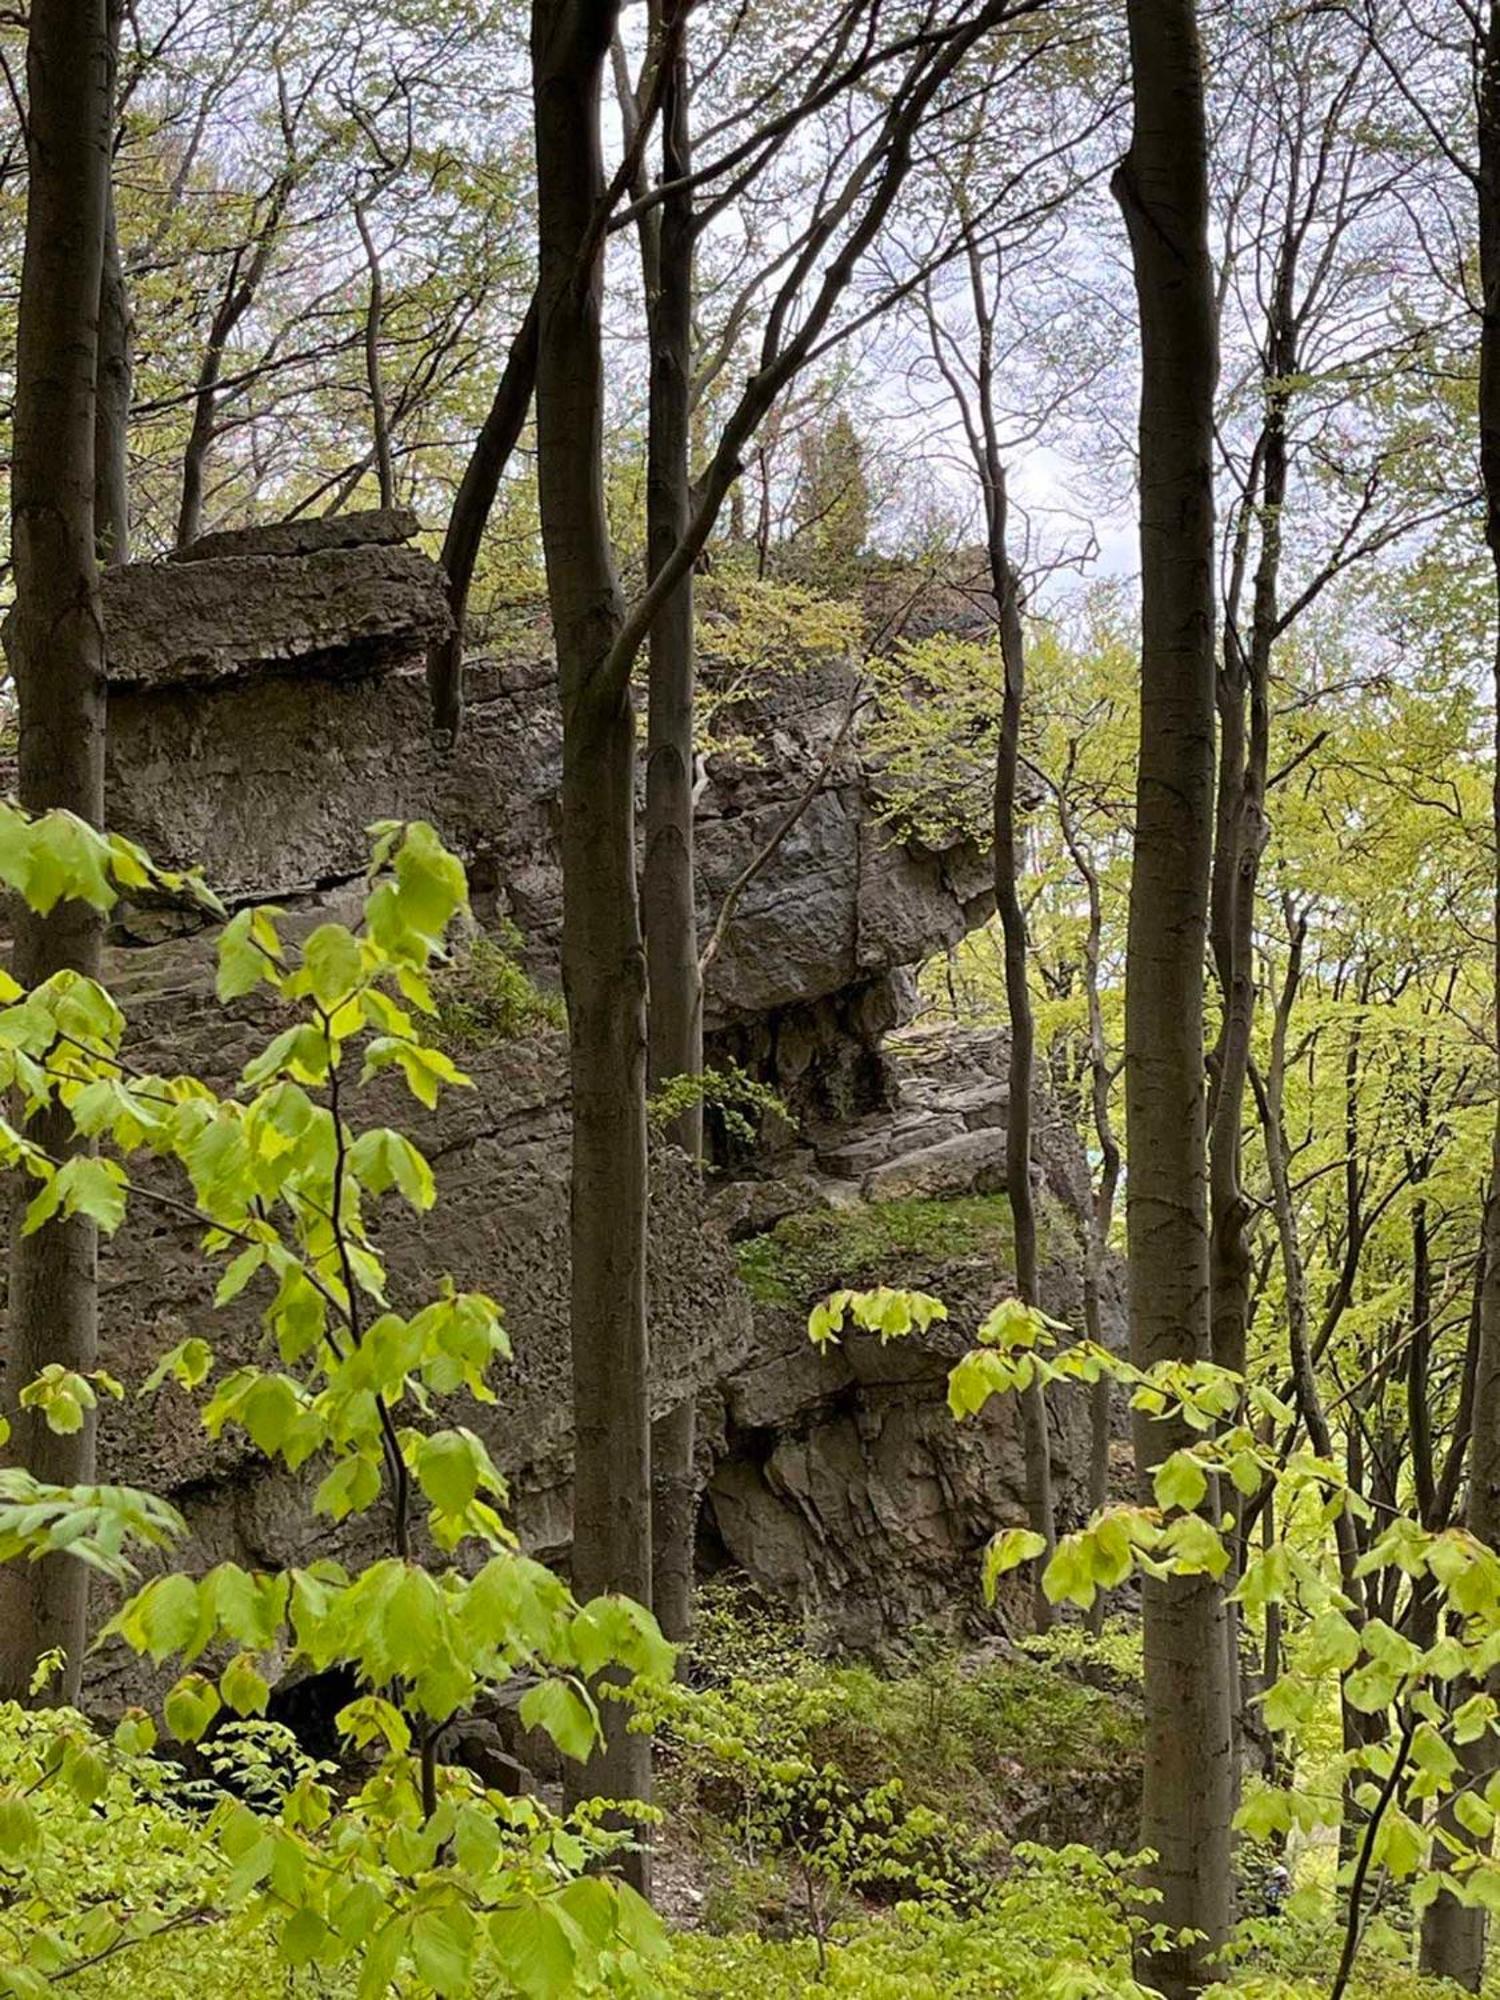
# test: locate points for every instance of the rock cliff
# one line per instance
(267, 703)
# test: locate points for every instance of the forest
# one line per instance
(750, 1029)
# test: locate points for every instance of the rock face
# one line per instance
(267, 702)
(246, 738)
(500, 1156)
(842, 1482)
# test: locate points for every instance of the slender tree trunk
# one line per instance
(1162, 186)
(380, 423)
(1454, 1937)
(669, 907)
(114, 367)
(195, 455)
(604, 971)
(471, 512)
(1102, 1208)
(1018, 1182)
(58, 660)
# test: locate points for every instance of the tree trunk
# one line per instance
(1038, 1445)
(1453, 1937)
(603, 960)
(1102, 1207)
(113, 368)
(1162, 186)
(471, 512)
(668, 901)
(58, 659)
(380, 422)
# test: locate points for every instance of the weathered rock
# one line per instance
(266, 706)
(337, 612)
(967, 1163)
(840, 1482)
(267, 702)
(372, 528)
(500, 1153)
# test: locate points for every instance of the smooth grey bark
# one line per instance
(604, 971)
(246, 273)
(1102, 1206)
(57, 654)
(1022, 1060)
(380, 422)
(973, 389)
(1162, 187)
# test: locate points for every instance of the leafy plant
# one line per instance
(419, 1878)
(485, 995)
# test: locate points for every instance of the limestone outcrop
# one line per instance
(500, 1156)
(841, 1482)
(267, 702)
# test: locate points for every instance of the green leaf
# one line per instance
(382, 1159)
(534, 1949)
(442, 1947)
(243, 1686)
(1399, 1844)
(303, 1936)
(333, 963)
(616, 1631)
(449, 1467)
(166, 1613)
(20, 1829)
(188, 1364)
(350, 1487)
(243, 964)
(83, 1185)
(190, 1707)
(565, 1712)
(1265, 1812)
(1007, 1551)
(1180, 1482)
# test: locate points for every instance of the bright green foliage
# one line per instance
(1429, 1698)
(1061, 1925)
(736, 1096)
(808, 1254)
(487, 996)
(418, 1880)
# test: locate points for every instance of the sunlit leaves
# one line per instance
(1007, 1550)
(886, 1312)
(65, 1398)
(382, 1159)
(83, 1185)
(279, 1175)
(96, 1524)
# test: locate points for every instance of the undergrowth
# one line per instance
(486, 995)
(810, 1253)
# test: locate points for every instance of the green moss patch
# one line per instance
(808, 1254)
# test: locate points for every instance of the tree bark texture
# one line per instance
(1453, 1937)
(668, 900)
(604, 971)
(472, 504)
(58, 661)
(114, 366)
(1162, 186)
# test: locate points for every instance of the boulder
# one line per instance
(268, 701)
